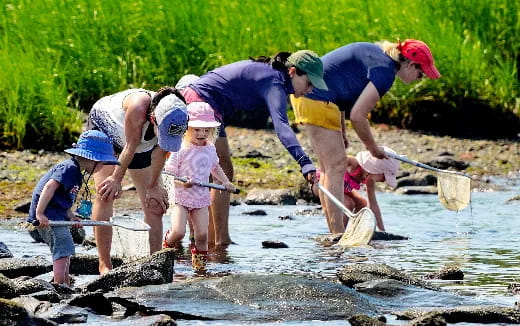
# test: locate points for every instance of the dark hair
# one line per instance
(161, 93)
(278, 61)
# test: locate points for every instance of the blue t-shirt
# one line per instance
(68, 174)
(349, 69)
(248, 85)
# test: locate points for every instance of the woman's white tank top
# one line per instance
(109, 116)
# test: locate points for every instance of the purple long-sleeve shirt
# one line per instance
(248, 85)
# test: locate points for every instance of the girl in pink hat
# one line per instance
(366, 169)
(196, 161)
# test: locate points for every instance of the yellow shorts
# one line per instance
(317, 113)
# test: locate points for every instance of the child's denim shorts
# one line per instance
(60, 241)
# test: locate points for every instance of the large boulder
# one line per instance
(15, 267)
(4, 251)
(14, 314)
(271, 197)
(155, 269)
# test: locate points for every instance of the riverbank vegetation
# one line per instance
(58, 56)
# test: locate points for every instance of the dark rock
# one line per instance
(15, 267)
(514, 288)
(155, 269)
(255, 154)
(7, 287)
(417, 180)
(23, 207)
(13, 314)
(364, 320)
(359, 273)
(385, 236)
(446, 273)
(95, 302)
(4, 251)
(35, 235)
(286, 217)
(382, 288)
(446, 162)
(270, 197)
(274, 244)
(78, 235)
(257, 212)
(32, 285)
(417, 190)
(50, 296)
(89, 264)
(470, 314)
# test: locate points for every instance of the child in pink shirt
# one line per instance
(196, 160)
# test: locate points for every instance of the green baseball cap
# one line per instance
(309, 62)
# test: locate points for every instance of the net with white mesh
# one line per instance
(454, 190)
(360, 229)
(128, 242)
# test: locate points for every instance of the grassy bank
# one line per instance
(58, 56)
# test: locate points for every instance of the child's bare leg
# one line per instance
(60, 268)
(179, 218)
(200, 221)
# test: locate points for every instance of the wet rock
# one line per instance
(89, 243)
(359, 273)
(417, 180)
(328, 239)
(7, 287)
(50, 296)
(364, 320)
(446, 273)
(23, 207)
(155, 269)
(417, 190)
(309, 212)
(385, 236)
(513, 199)
(470, 314)
(62, 313)
(15, 267)
(446, 162)
(383, 288)
(514, 288)
(25, 285)
(271, 197)
(35, 235)
(14, 314)
(286, 218)
(94, 301)
(4, 251)
(256, 212)
(274, 244)
(157, 320)
(277, 297)
(89, 264)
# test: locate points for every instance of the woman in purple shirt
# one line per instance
(357, 75)
(251, 85)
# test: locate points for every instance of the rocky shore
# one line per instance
(261, 163)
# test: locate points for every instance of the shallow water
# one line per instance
(483, 240)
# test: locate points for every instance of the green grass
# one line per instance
(57, 57)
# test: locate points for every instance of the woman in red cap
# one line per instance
(357, 76)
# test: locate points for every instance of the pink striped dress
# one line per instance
(197, 163)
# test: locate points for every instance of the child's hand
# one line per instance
(189, 182)
(44, 221)
(230, 187)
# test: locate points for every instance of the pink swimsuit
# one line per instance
(349, 183)
(197, 163)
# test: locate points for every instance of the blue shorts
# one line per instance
(59, 240)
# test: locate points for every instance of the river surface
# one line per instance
(483, 240)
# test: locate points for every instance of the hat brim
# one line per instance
(391, 180)
(431, 71)
(317, 82)
(106, 159)
(203, 124)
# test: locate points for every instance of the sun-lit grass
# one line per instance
(58, 56)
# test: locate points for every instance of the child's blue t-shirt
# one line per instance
(349, 69)
(68, 174)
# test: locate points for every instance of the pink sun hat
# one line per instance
(201, 115)
(372, 165)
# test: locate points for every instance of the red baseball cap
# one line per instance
(418, 51)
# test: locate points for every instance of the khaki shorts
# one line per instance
(317, 113)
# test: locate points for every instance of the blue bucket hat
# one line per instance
(171, 117)
(95, 146)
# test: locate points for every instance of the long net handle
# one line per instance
(422, 165)
(201, 184)
(345, 210)
(142, 226)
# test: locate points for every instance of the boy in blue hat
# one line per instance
(57, 190)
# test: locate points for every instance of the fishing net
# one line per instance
(454, 190)
(360, 229)
(128, 238)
